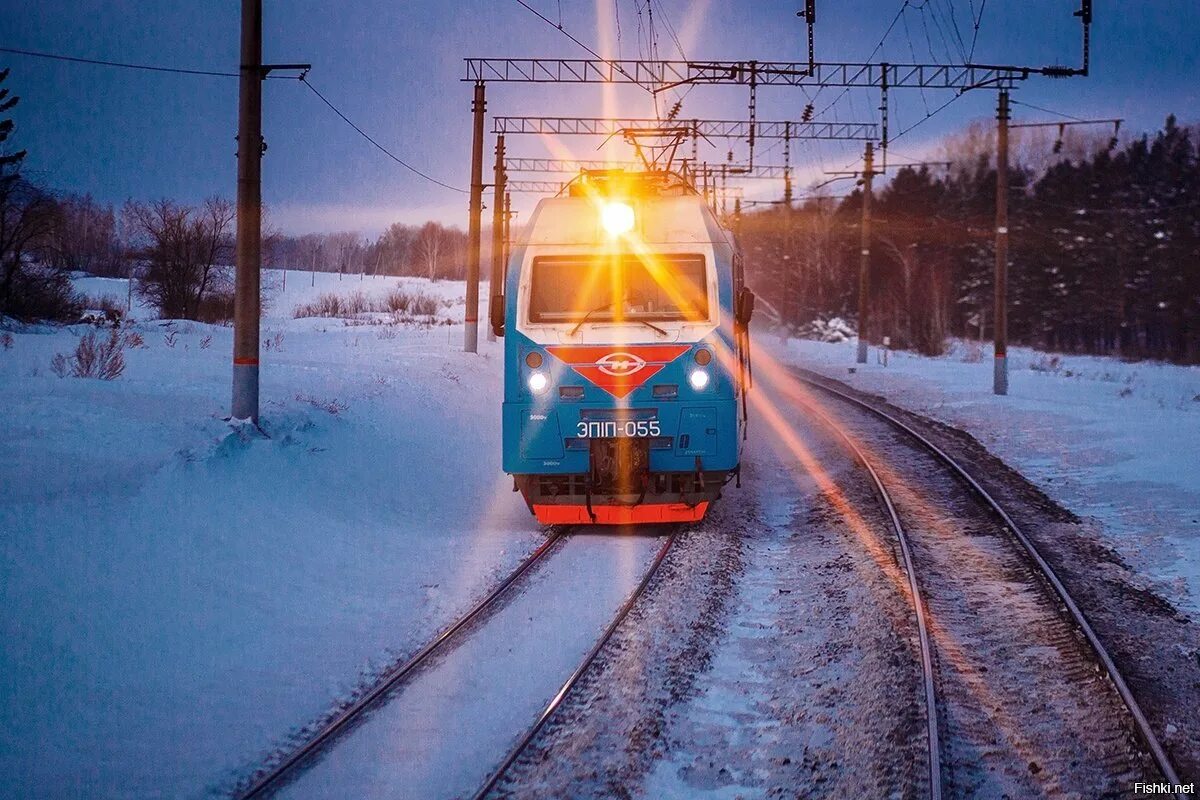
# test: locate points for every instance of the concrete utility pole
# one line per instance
(471, 329)
(246, 303)
(1000, 312)
(864, 264)
(247, 299)
(508, 215)
(496, 281)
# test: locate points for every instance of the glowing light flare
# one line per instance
(538, 382)
(698, 379)
(617, 217)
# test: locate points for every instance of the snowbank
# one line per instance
(175, 599)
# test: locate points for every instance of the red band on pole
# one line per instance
(245, 362)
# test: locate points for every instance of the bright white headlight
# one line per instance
(617, 217)
(538, 382)
(698, 379)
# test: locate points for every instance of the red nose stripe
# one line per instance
(618, 369)
(590, 354)
(618, 385)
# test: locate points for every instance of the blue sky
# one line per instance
(394, 68)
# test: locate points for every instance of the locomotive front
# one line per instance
(626, 354)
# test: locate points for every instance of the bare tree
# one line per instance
(187, 252)
(429, 241)
(85, 237)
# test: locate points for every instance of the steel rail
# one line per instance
(1145, 731)
(932, 737)
(392, 678)
(584, 665)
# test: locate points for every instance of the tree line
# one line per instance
(431, 250)
(1104, 250)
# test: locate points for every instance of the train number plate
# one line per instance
(617, 429)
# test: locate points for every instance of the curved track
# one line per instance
(270, 778)
(931, 716)
(1144, 730)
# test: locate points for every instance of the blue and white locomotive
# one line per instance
(626, 353)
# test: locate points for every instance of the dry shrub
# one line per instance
(216, 308)
(424, 305)
(133, 339)
(93, 358)
(397, 301)
(326, 305)
(6, 340)
(103, 302)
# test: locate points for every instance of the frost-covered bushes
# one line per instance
(834, 329)
(93, 358)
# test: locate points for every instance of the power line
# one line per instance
(121, 64)
(567, 33)
(978, 22)
(875, 50)
(1047, 110)
(381, 148)
(926, 117)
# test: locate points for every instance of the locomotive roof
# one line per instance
(660, 220)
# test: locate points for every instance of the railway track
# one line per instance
(1038, 564)
(272, 778)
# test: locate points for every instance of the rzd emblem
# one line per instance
(620, 364)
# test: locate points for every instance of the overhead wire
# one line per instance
(381, 148)
(978, 22)
(217, 73)
(120, 64)
(1046, 110)
(874, 50)
(615, 65)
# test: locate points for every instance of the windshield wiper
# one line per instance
(648, 324)
(610, 303)
(579, 324)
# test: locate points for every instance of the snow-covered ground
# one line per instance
(176, 599)
(1113, 441)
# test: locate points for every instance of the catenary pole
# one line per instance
(1000, 312)
(249, 218)
(864, 263)
(496, 281)
(471, 329)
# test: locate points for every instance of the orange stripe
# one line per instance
(620, 515)
(245, 362)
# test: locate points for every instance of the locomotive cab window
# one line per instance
(653, 288)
